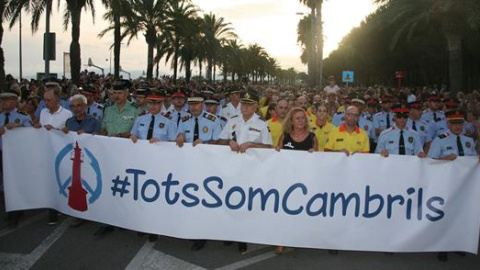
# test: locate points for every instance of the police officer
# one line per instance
(245, 131)
(198, 126)
(119, 117)
(416, 123)
(232, 108)
(383, 119)
(141, 99)
(400, 139)
(451, 144)
(179, 111)
(433, 113)
(153, 126)
(441, 126)
(10, 118)
(93, 108)
(211, 106)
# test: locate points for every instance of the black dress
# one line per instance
(290, 144)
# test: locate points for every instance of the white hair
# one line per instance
(79, 97)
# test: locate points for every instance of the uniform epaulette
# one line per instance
(261, 118)
(167, 115)
(223, 118)
(443, 136)
(22, 112)
(185, 118)
(234, 116)
(99, 106)
(209, 116)
(339, 112)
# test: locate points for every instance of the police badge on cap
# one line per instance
(250, 96)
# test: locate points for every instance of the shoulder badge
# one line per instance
(223, 118)
(185, 118)
(468, 145)
(209, 116)
(442, 136)
(161, 125)
(410, 139)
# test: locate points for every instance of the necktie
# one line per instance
(178, 119)
(401, 144)
(414, 127)
(460, 147)
(88, 110)
(7, 120)
(435, 117)
(388, 120)
(195, 130)
(150, 128)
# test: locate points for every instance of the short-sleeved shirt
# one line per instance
(228, 111)
(275, 127)
(254, 130)
(422, 128)
(89, 124)
(57, 119)
(117, 121)
(389, 140)
(446, 144)
(208, 127)
(164, 129)
(340, 138)
(16, 117)
(322, 133)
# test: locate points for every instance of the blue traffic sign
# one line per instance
(347, 76)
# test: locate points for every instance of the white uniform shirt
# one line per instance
(254, 130)
(229, 111)
(57, 119)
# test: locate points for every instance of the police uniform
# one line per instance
(340, 138)
(430, 116)
(228, 110)
(389, 140)
(177, 115)
(95, 110)
(449, 143)
(116, 121)
(422, 129)
(163, 128)
(223, 120)
(253, 130)
(19, 118)
(208, 127)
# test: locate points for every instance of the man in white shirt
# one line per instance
(53, 116)
(233, 108)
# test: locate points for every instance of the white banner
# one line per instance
(289, 198)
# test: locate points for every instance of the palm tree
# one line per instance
(72, 14)
(214, 32)
(2, 56)
(456, 19)
(115, 11)
(316, 53)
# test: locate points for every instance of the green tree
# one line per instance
(71, 14)
(455, 18)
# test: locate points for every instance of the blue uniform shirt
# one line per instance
(389, 139)
(15, 117)
(88, 125)
(174, 115)
(164, 129)
(423, 130)
(429, 116)
(446, 144)
(208, 127)
(96, 111)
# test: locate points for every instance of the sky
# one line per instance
(271, 24)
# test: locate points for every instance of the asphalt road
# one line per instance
(36, 245)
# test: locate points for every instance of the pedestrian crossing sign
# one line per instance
(347, 76)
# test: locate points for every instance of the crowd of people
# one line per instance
(420, 121)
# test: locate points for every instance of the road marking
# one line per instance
(18, 261)
(149, 258)
(249, 261)
(23, 224)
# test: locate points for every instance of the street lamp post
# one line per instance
(20, 46)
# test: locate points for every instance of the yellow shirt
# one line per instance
(275, 127)
(263, 111)
(356, 141)
(312, 119)
(322, 134)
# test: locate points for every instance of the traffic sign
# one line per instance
(347, 76)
